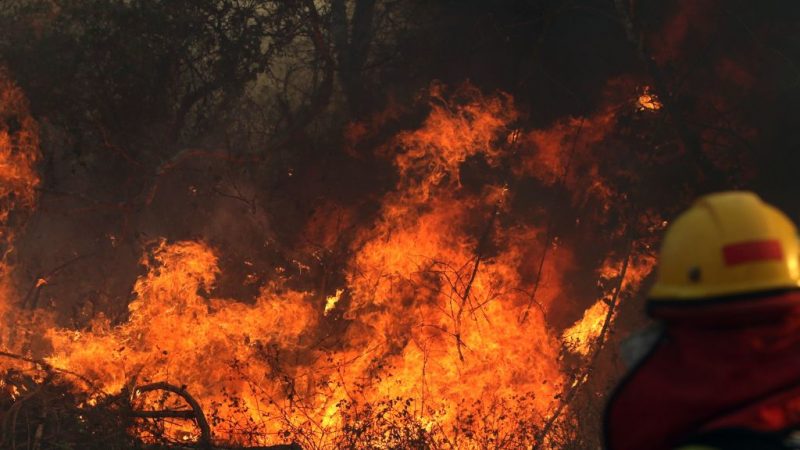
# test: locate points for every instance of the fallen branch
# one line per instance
(196, 412)
(50, 368)
(165, 414)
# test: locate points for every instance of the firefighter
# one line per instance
(724, 372)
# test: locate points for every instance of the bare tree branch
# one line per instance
(577, 382)
(197, 411)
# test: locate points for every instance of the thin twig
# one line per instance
(49, 367)
(478, 258)
(551, 225)
(578, 381)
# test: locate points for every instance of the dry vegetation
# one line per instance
(356, 224)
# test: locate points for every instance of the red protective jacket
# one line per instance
(723, 363)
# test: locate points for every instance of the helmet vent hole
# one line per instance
(695, 275)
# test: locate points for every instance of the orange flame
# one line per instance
(19, 153)
(430, 326)
(648, 101)
(581, 336)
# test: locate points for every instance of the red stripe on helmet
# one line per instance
(745, 252)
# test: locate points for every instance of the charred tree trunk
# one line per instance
(351, 39)
(689, 138)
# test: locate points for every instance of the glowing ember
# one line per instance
(648, 101)
(332, 300)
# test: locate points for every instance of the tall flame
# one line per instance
(19, 153)
(430, 332)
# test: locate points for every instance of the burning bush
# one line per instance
(222, 232)
(430, 341)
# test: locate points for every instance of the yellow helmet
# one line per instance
(727, 243)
